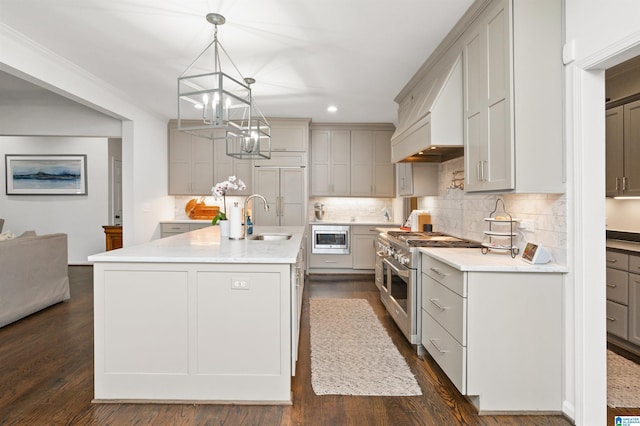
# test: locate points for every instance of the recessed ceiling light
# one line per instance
(332, 108)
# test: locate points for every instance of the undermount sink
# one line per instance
(271, 237)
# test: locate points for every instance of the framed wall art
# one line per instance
(46, 174)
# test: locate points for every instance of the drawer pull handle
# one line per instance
(612, 260)
(438, 305)
(611, 319)
(435, 345)
(612, 285)
(442, 274)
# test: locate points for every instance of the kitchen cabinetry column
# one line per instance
(330, 162)
(489, 144)
(513, 98)
(623, 150)
(190, 163)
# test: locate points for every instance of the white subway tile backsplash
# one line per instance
(461, 214)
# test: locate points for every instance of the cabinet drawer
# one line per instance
(174, 228)
(194, 226)
(446, 275)
(446, 307)
(617, 315)
(618, 286)
(445, 350)
(330, 261)
(617, 260)
(634, 264)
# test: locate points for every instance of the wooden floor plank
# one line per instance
(46, 365)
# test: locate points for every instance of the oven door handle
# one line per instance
(403, 274)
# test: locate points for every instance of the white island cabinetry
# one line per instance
(198, 318)
(494, 329)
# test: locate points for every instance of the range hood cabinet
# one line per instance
(433, 121)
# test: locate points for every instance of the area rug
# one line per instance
(352, 354)
(623, 382)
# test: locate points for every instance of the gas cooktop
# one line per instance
(432, 239)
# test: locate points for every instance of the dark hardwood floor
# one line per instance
(46, 371)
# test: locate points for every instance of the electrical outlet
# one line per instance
(239, 284)
(526, 225)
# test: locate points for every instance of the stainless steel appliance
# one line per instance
(330, 239)
(319, 210)
(399, 260)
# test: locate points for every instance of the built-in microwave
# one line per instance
(330, 239)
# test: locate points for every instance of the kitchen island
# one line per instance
(198, 318)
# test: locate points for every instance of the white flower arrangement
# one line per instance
(220, 189)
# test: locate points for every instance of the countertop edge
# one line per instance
(207, 247)
(472, 260)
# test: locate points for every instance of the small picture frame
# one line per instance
(46, 174)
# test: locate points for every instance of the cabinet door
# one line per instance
(364, 254)
(614, 150)
(292, 197)
(201, 166)
(489, 140)
(267, 184)
(474, 75)
(634, 309)
(383, 168)
(362, 158)
(632, 149)
(341, 162)
(179, 163)
(289, 137)
(404, 178)
(190, 164)
(320, 162)
(499, 168)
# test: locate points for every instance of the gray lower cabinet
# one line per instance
(331, 261)
(623, 299)
(496, 335)
(634, 300)
(167, 229)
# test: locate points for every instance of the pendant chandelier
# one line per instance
(218, 105)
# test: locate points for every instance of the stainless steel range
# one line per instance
(398, 272)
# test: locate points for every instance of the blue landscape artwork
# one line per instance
(46, 175)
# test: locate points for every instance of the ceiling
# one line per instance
(304, 54)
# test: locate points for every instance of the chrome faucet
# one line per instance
(266, 209)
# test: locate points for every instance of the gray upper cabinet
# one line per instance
(330, 162)
(289, 134)
(417, 179)
(190, 163)
(372, 173)
(513, 98)
(623, 150)
(352, 160)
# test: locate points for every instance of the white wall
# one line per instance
(623, 215)
(79, 216)
(144, 136)
(604, 33)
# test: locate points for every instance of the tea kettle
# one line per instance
(319, 210)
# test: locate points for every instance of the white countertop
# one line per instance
(206, 246)
(472, 259)
(623, 245)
